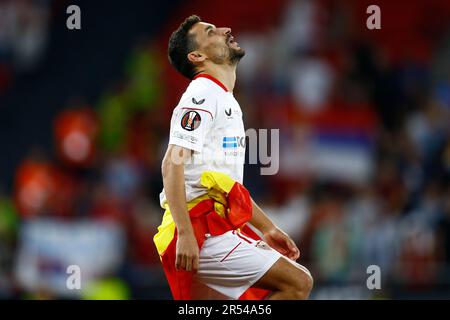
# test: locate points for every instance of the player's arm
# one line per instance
(273, 235)
(174, 187)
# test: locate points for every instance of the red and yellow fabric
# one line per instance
(227, 206)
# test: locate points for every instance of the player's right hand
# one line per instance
(187, 255)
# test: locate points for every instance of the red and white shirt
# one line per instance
(208, 120)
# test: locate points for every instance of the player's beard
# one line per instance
(228, 55)
(235, 55)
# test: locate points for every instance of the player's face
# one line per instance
(217, 44)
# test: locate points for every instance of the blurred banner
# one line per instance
(47, 248)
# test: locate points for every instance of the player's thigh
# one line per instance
(285, 274)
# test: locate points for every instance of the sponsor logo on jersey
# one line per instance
(190, 120)
(198, 102)
(233, 142)
(230, 113)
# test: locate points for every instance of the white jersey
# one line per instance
(208, 120)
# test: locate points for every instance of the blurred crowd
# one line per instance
(364, 168)
(364, 159)
(92, 202)
(24, 33)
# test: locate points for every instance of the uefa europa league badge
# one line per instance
(190, 120)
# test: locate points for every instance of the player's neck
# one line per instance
(226, 74)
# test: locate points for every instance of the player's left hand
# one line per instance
(281, 242)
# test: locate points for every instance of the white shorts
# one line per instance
(229, 264)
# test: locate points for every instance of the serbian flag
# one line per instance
(227, 206)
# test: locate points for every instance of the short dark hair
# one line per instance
(180, 44)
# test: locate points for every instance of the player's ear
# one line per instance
(196, 56)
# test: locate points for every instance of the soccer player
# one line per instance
(206, 134)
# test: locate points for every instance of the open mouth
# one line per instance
(231, 41)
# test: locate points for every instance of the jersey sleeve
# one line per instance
(191, 121)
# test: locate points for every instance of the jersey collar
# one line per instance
(207, 76)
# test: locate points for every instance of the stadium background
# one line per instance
(364, 140)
